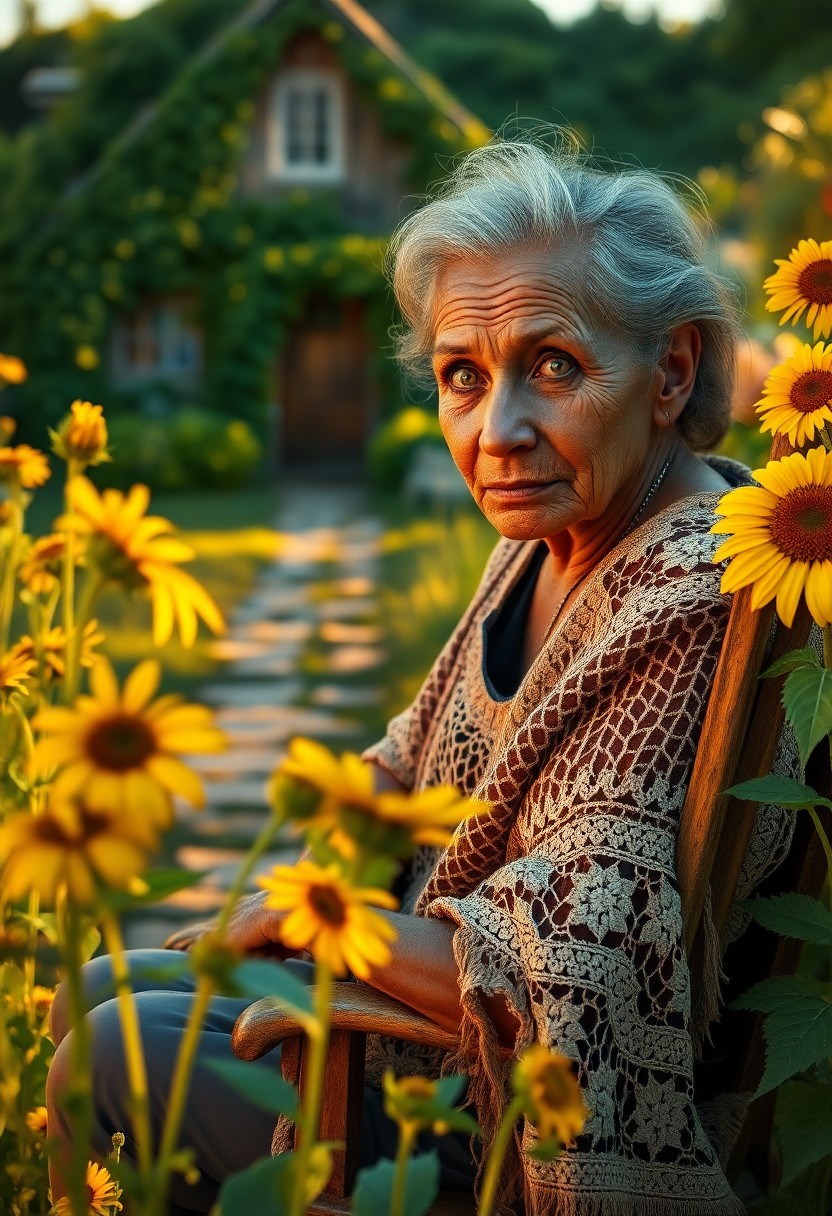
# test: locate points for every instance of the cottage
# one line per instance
(226, 249)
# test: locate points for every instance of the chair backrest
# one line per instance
(740, 734)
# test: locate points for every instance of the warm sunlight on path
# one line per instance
(301, 658)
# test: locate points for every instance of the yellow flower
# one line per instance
(53, 647)
(82, 435)
(40, 570)
(797, 396)
(780, 535)
(118, 748)
(8, 426)
(16, 668)
(103, 1194)
(42, 999)
(358, 817)
(71, 847)
(87, 358)
(138, 551)
(36, 1121)
(552, 1097)
(418, 1104)
(23, 466)
(12, 369)
(804, 281)
(329, 918)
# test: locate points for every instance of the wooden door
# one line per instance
(326, 395)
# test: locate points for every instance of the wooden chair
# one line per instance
(739, 737)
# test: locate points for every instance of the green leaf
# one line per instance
(793, 915)
(264, 1187)
(804, 1126)
(798, 1028)
(449, 1089)
(807, 698)
(263, 1086)
(791, 660)
(262, 978)
(374, 1186)
(779, 791)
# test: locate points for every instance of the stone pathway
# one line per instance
(301, 657)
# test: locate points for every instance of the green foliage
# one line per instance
(790, 661)
(798, 1028)
(190, 449)
(374, 1186)
(779, 791)
(804, 1125)
(807, 697)
(793, 915)
(264, 1186)
(259, 978)
(392, 447)
(261, 1085)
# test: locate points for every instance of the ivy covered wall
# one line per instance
(162, 215)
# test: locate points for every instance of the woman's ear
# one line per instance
(678, 369)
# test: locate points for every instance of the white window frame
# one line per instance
(303, 79)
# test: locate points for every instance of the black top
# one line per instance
(503, 631)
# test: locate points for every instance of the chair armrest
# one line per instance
(354, 1007)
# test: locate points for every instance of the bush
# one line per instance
(392, 447)
(191, 449)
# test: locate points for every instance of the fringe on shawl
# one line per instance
(543, 1201)
(706, 999)
(488, 1074)
(722, 1120)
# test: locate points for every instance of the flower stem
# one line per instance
(29, 966)
(68, 587)
(79, 1089)
(133, 1048)
(495, 1157)
(179, 1092)
(406, 1138)
(7, 592)
(93, 585)
(311, 1107)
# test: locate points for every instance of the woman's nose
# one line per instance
(506, 421)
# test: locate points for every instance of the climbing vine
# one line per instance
(161, 215)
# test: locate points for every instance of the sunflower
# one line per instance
(42, 999)
(357, 817)
(53, 648)
(420, 1104)
(552, 1097)
(103, 1194)
(119, 747)
(23, 466)
(138, 551)
(329, 918)
(780, 538)
(82, 435)
(70, 847)
(36, 1121)
(797, 396)
(804, 280)
(16, 670)
(40, 570)
(8, 426)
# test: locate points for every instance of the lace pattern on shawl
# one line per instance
(566, 898)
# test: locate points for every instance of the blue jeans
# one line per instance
(226, 1132)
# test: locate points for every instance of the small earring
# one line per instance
(666, 417)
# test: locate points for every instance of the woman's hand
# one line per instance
(253, 928)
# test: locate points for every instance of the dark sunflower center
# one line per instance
(121, 742)
(328, 906)
(815, 282)
(811, 391)
(553, 1086)
(49, 831)
(801, 524)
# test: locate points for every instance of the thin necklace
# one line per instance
(645, 502)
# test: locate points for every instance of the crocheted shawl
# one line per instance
(565, 897)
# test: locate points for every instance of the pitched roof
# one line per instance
(360, 23)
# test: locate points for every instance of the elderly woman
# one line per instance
(583, 351)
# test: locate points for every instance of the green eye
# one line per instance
(463, 377)
(556, 367)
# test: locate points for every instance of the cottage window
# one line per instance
(157, 340)
(306, 131)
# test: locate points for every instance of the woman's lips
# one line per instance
(517, 490)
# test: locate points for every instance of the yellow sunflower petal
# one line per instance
(175, 776)
(141, 685)
(788, 594)
(104, 685)
(819, 592)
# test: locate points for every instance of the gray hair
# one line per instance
(648, 264)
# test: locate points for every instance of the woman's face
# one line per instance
(546, 411)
